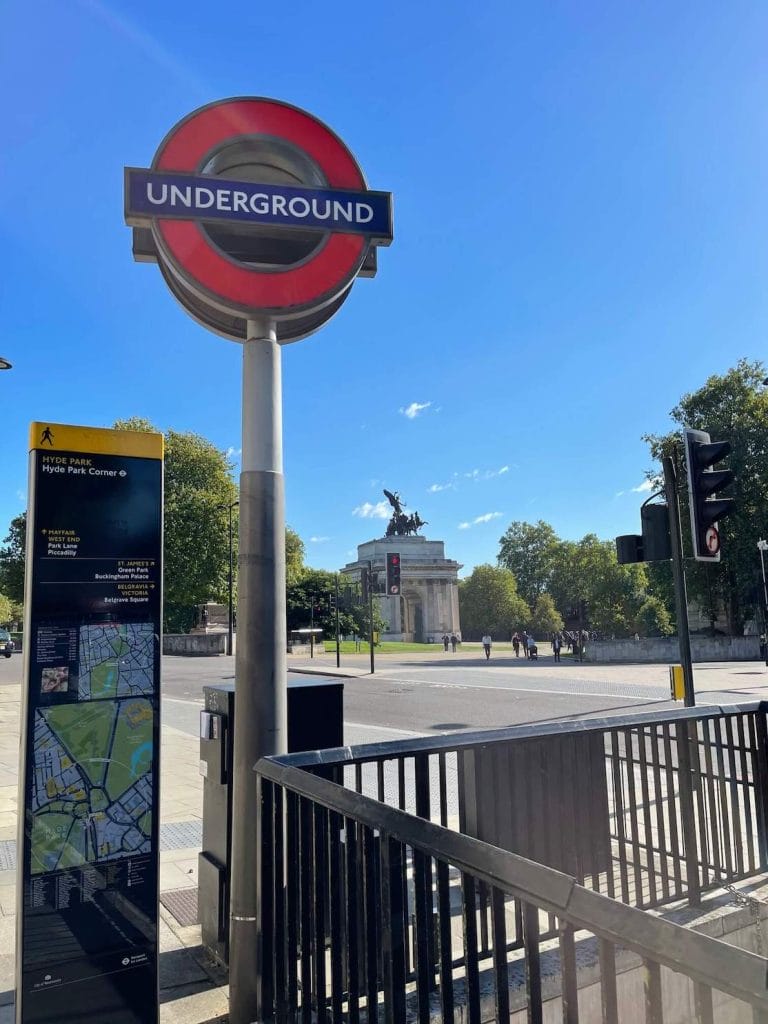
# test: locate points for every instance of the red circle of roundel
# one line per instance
(317, 280)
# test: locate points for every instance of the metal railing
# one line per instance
(338, 942)
(648, 808)
(375, 906)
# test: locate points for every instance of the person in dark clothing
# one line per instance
(557, 643)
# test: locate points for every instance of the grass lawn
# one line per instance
(392, 647)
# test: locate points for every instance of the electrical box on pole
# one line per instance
(701, 455)
(393, 573)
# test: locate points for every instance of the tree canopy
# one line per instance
(198, 491)
(562, 576)
(732, 407)
(12, 559)
(528, 550)
(545, 619)
(489, 603)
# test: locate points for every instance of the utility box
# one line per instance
(315, 722)
(544, 798)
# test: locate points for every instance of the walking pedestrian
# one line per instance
(454, 642)
(486, 642)
(530, 643)
(516, 644)
(446, 640)
(557, 643)
(524, 642)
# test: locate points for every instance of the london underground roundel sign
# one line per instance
(254, 208)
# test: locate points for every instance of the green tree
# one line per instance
(294, 556)
(732, 407)
(5, 610)
(315, 587)
(587, 570)
(546, 619)
(489, 601)
(12, 559)
(653, 618)
(198, 490)
(528, 551)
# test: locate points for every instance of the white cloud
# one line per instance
(646, 485)
(435, 488)
(318, 540)
(368, 511)
(21, 496)
(478, 520)
(412, 411)
(486, 474)
(486, 518)
(234, 453)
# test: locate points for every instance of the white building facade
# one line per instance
(428, 605)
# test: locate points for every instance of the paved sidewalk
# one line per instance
(193, 989)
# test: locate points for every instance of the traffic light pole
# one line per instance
(678, 575)
(338, 638)
(370, 611)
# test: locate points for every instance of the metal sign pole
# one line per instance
(678, 575)
(338, 641)
(370, 613)
(260, 664)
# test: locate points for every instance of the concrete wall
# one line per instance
(667, 649)
(195, 644)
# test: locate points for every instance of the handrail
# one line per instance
(460, 740)
(703, 958)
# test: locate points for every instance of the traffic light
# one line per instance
(629, 548)
(701, 454)
(654, 525)
(393, 573)
(654, 545)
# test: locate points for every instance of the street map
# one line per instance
(92, 786)
(116, 660)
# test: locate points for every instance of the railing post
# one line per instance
(686, 737)
(761, 784)
(265, 904)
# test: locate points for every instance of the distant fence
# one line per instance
(667, 649)
(195, 644)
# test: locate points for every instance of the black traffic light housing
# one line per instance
(701, 455)
(654, 545)
(393, 573)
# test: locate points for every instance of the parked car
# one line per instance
(6, 644)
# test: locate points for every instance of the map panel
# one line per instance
(116, 660)
(92, 783)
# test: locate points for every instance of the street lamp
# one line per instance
(224, 508)
(762, 545)
(4, 364)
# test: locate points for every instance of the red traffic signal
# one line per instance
(393, 573)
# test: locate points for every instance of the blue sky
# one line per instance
(581, 230)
